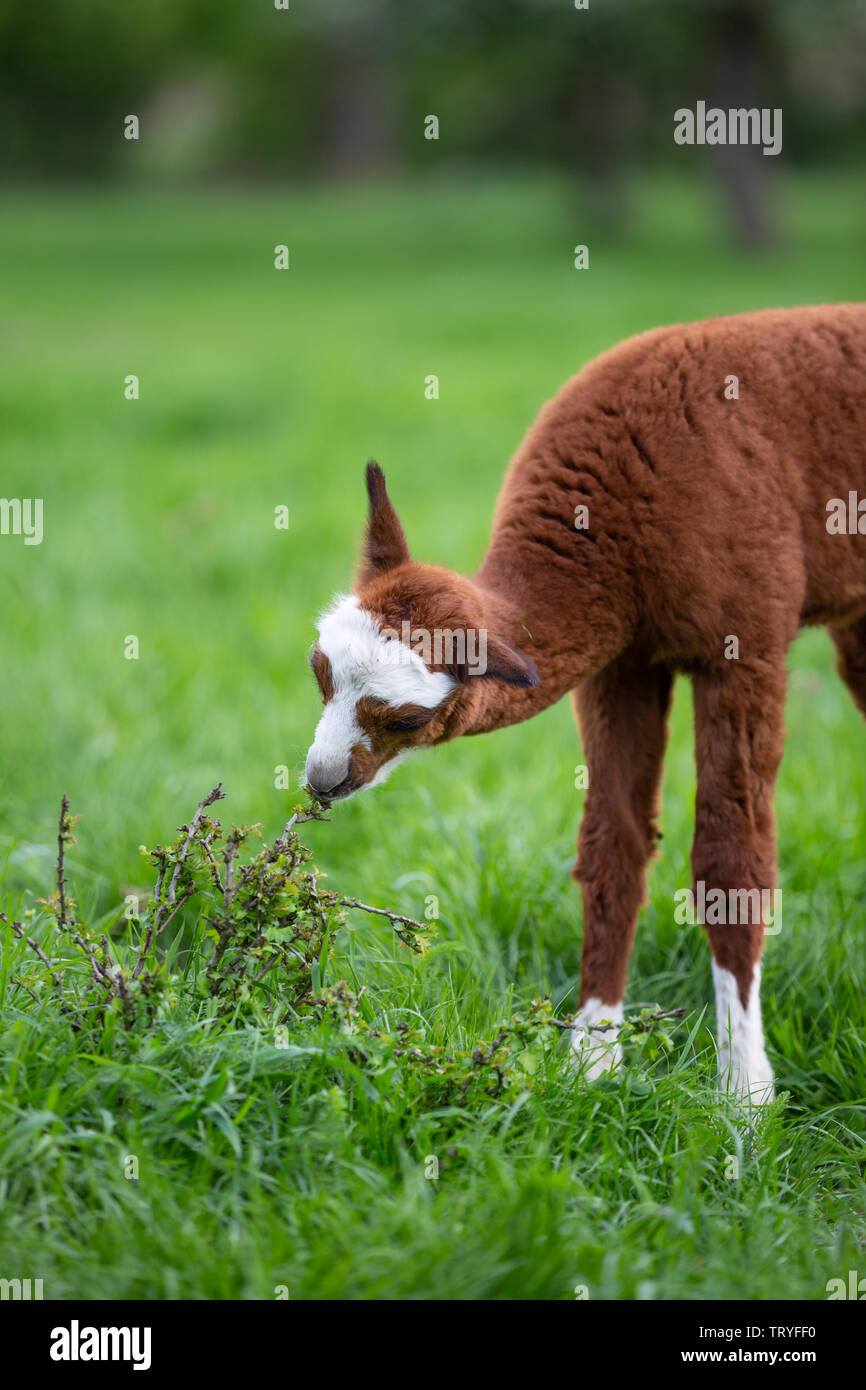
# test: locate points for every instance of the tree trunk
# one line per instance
(740, 79)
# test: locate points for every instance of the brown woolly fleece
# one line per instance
(707, 520)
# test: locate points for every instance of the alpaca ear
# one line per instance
(505, 663)
(385, 545)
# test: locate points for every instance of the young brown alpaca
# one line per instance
(672, 509)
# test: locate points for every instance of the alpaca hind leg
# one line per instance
(850, 643)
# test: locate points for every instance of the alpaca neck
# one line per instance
(492, 704)
(568, 622)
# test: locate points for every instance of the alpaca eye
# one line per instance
(409, 721)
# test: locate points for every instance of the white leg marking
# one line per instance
(743, 1065)
(596, 1050)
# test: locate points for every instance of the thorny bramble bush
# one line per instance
(262, 945)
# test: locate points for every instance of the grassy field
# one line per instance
(261, 1167)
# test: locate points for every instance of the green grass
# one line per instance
(260, 1167)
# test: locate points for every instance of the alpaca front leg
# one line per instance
(739, 735)
(622, 714)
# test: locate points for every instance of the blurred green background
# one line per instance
(261, 387)
(340, 90)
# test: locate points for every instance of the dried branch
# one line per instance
(313, 812)
(230, 853)
(62, 833)
(14, 980)
(34, 946)
(207, 849)
(216, 795)
(637, 1025)
(157, 922)
(393, 918)
(176, 907)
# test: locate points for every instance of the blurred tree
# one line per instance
(360, 135)
(343, 86)
(741, 78)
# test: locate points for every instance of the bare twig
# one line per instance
(14, 980)
(314, 812)
(121, 984)
(393, 918)
(158, 923)
(176, 907)
(216, 795)
(384, 912)
(206, 846)
(34, 946)
(102, 974)
(62, 831)
(157, 892)
(230, 851)
(637, 1025)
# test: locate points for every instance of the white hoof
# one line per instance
(595, 1050)
(752, 1086)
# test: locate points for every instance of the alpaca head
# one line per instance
(398, 660)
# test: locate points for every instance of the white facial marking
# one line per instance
(596, 1050)
(363, 662)
(337, 733)
(743, 1065)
